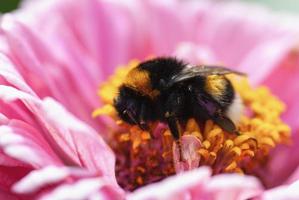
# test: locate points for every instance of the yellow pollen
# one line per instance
(141, 160)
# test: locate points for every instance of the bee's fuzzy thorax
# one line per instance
(159, 76)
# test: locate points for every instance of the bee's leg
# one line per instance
(175, 130)
(174, 109)
(209, 109)
(225, 123)
(143, 116)
(174, 127)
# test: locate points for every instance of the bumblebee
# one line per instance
(169, 90)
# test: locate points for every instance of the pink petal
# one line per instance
(49, 134)
(65, 183)
(31, 56)
(85, 144)
(83, 189)
(22, 141)
(39, 178)
(66, 130)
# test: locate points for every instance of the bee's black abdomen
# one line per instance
(228, 95)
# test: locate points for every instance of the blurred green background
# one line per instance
(282, 5)
(8, 5)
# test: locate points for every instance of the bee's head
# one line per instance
(126, 104)
(133, 107)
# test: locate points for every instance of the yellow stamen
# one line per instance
(146, 161)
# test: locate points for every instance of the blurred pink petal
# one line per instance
(180, 187)
(286, 73)
(288, 70)
(195, 54)
(284, 192)
(198, 184)
(233, 186)
(235, 31)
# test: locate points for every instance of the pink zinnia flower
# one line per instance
(55, 54)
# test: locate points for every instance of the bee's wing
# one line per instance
(195, 71)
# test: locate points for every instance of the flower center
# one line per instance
(144, 157)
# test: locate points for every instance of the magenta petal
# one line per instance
(10, 175)
(286, 73)
(288, 70)
(8, 196)
(190, 157)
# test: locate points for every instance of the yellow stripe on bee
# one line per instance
(215, 85)
(139, 80)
